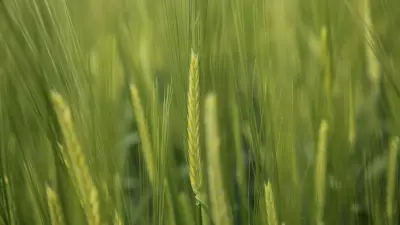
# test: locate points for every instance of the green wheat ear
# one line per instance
(75, 158)
(147, 149)
(320, 172)
(270, 205)
(221, 212)
(391, 186)
(193, 126)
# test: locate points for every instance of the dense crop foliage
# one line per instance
(175, 112)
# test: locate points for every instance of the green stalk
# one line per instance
(221, 211)
(320, 173)
(391, 185)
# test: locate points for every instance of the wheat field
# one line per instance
(199, 112)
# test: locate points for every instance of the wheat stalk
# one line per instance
(320, 170)
(327, 71)
(170, 217)
(117, 218)
(11, 208)
(221, 213)
(392, 167)
(185, 208)
(270, 205)
(352, 135)
(9, 184)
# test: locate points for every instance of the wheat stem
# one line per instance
(270, 205)
(391, 186)
(221, 213)
(320, 172)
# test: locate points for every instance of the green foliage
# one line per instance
(277, 69)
